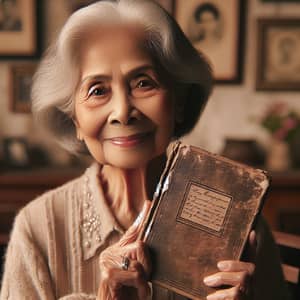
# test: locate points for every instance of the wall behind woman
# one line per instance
(232, 109)
(229, 112)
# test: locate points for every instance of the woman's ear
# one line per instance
(79, 135)
(78, 132)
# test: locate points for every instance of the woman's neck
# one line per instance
(126, 190)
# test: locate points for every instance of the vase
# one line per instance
(246, 151)
(278, 157)
(295, 151)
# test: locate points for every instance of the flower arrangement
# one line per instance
(282, 122)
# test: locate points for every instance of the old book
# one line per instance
(202, 212)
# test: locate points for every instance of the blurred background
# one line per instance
(253, 114)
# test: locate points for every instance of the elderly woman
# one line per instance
(120, 83)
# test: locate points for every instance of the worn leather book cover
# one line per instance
(203, 210)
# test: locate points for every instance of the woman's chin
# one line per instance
(129, 162)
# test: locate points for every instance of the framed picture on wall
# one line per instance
(278, 1)
(20, 86)
(278, 58)
(18, 28)
(216, 28)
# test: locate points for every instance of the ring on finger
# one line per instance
(125, 263)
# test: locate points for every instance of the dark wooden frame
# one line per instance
(263, 28)
(239, 46)
(26, 41)
(280, 1)
(20, 77)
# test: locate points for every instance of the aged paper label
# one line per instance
(205, 207)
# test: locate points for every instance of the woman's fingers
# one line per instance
(226, 278)
(234, 293)
(135, 277)
(132, 277)
(125, 266)
(143, 257)
(236, 266)
(234, 273)
(133, 231)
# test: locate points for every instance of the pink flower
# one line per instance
(289, 123)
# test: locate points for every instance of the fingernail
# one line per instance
(210, 280)
(223, 265)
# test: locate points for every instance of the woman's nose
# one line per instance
(123, 112)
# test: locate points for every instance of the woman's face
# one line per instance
(124, 112)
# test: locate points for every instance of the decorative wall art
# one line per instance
(18, 28)
(20, 86)
(278, 59)
(216, 28)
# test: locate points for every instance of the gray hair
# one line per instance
(55, 81)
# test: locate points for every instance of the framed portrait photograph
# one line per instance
(16, 152)
(18, 28)
(216, 28)
(280, 1)
(20, 86)
(278, 54)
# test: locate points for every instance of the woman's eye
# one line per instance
(98, 91)
(143, 87)
(144, 84)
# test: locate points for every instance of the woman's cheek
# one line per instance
(91, 124)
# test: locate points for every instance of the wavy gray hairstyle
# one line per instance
(55, 81)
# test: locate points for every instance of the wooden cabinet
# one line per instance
(18, 188)
(282, 206)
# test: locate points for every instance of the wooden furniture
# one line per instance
(282, 206)
(291, 272)
(17, 188)
(289, 246)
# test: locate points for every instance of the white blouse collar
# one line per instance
(97, 220)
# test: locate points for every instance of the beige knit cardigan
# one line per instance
(57, 238)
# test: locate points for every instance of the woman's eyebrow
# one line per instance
(98, 77)
(104, 77)
(140, 69)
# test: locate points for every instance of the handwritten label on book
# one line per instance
(205, 207)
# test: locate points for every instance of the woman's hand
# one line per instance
(125, 266)
(236, 274)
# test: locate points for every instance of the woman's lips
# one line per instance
(131, 140)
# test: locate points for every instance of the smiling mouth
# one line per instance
(131, 140)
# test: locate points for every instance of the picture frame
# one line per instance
(20, 86)
(19, 30)
(217, 29)
(16, 152)
(278, 48)
(281, 1)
